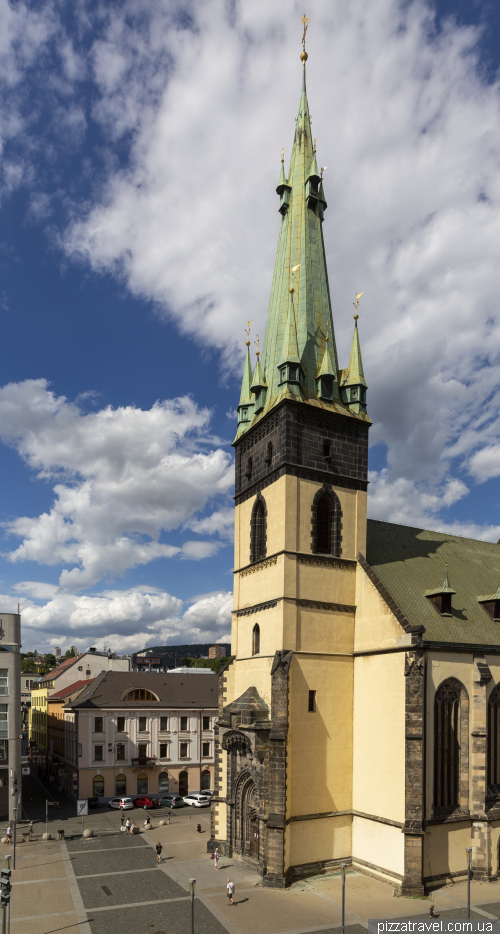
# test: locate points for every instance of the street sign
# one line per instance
(82, 807)
(25, 770)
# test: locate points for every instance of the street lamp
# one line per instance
(468, 850)
(192, 885)
(343, 867)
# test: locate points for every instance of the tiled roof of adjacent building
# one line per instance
(65, 692)
(67, 663)
(408, 562)
(180, 691)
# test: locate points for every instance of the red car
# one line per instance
(145, 802)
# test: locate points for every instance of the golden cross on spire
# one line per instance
(355, 303)
(282, 156)
(247, 332)
(303, 55)
(257, 343)
(314, 144)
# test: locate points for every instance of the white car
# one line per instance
(204, 794)
(122, 803)
(197, 801)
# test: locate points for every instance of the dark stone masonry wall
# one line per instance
(318, 445)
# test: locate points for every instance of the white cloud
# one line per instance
(410, 130)
(124, 620)
(129, 476)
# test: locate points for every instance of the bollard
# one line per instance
(88, 833)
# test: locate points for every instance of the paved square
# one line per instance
(140, 887)
(172, 918)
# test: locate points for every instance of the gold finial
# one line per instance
(303, 55)
(257, 342)
(323, 169)
(314, 144)
(247, 332)
(282, 156)
(358, 296)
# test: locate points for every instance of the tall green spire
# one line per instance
(353, 384)
(299, 329)
(245, 405)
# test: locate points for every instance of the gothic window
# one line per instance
(269, 455)
(248, 469)
(256, 639)
(451, 747)
(494, 741)
(258, 530)
(326, 523)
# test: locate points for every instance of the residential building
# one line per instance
(217, 651)
(56, 703)
(38, 723)
(10, 713)
(140, 733)
(360, 714)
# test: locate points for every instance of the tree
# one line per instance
(71, 653)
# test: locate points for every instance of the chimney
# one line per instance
(92, 649)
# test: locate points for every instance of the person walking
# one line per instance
(432, 913)
(128, 826)
(31, 829)
(168, 816)
(198, 828)
(122, 822)
(230, 892)
(158, 851)
(9, 834)
(216, 857)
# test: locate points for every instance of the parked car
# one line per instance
(197, 801)
(207, 794)
(122, 803)
(145, 802)
(172, 801)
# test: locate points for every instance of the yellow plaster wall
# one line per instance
(376, 627)
(320, 630)
(329, 584)
(444, 848)
(319, 754)
(270, 623)
(311, 840)
(379, 736)
(378, 844)
(252, 672)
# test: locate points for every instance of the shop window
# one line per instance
(142, 784)
(205, 780)
(98, 786)
(121, 785)
(163, 782)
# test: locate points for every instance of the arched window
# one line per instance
(163, 781)
(205, 780)
(121, 785)
(183, 784)
(258, 530)
(451, 747)
(256, 639)
(98, 786)
(269, 455)
(326, 523)
(140, 694)
(494, 741)
(142, 784)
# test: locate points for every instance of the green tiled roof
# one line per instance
(411, 561)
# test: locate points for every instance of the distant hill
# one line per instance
(197, 650)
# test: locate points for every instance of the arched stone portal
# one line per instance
(246, 829)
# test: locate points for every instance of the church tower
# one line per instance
(286, 699)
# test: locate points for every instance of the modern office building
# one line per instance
(10, 713)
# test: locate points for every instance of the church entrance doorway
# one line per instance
(254, 834)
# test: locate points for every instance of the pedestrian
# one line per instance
(9, 834)
(432, 913)
(122, 822)
(198, 828)
(147, 823)
(230, 892)
(31, 829)
(128, 826)
(158, 851)
(216, 857)
(168, 816)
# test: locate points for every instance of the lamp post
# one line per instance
(468, 850)
(14, 836)
(192, 885)
(343, 867)
(7, 858)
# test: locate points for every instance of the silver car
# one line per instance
(122, 803)
(197, 801)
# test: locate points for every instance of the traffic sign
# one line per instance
(82, 807)
(25, 770)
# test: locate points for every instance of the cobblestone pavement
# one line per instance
(111, 883)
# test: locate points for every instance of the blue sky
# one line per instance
(138, 227)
